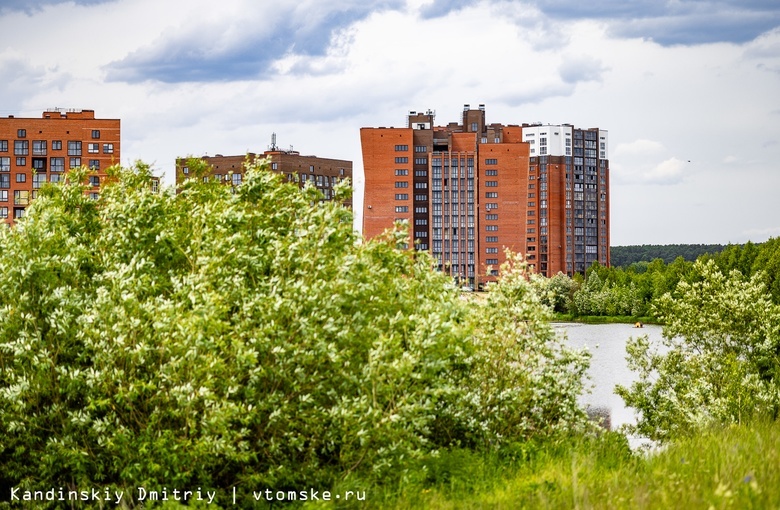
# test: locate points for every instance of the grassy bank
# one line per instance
(734, 467)
(603, 319)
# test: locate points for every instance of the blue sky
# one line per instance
(688, 90)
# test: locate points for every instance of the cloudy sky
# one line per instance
(689, 90)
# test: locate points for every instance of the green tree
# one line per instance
(719, 362)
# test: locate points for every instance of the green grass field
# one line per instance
(735, 467)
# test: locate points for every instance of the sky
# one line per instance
(689, 90)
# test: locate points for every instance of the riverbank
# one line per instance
(604, 319)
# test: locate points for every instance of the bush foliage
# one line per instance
(246, 337)
(720, 362)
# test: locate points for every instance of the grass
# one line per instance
(732, 467)
(603, 319)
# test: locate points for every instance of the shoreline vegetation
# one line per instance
(232, 338)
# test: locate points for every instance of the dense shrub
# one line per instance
(720, 362)
(245, 336)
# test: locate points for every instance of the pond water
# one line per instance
(608, 367)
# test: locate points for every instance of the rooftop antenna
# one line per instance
(273, 142)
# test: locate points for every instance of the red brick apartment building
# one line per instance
(38, 150)
(469, 190)
(323, 173)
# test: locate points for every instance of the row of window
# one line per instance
(39, 164)
(39, 147)
(22, 133)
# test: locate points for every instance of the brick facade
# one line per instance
(323, 173)
(471, 190)
(38, 150)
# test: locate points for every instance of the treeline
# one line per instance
(626, 255)
(632, 290)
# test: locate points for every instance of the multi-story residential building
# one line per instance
(470, 190)
(323, 173)
(38, 150)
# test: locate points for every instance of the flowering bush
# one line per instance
(246, 337)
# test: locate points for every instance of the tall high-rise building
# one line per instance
(38, 150)
(323, 173)
(471, 190)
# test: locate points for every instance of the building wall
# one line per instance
(389, 152)
(540, 190)
(38, 150)
(323, 173)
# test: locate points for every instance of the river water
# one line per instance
(608, 367)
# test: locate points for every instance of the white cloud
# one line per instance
(713, 104)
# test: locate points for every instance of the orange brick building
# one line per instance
(470, 190)
(323, 173)
(38, 150)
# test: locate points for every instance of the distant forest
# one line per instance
(624, 256)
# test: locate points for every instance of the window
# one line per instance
(74, 148)
(56, 145)
(57, 164)
(401, 184)
(491, 184)
(5, 181)
(401, 148)
(491, 216)
(421, 198)
(491, 250)
(402, 196)
(421, 210)
(94, 164)
(4, 195)
(75, 162)
(491, 161)
(39, 164)
(4, 212)
(491, 173)
(108, 148)
(21, 177)
(401, 171)
(420, 185)
(54, 178)
(420, 161)
(21, 197)
(491, 228)
(21, 161)
(420, 148)
(39, 147)
(3, 145)
(93, 148)
(491, 262)
(38, 180)
(491, 194)
(422, 221)
(491, 205)
(21, 147)
(237, 179)
(401, 208)
(403, 159)
(95, 134)
(94, 195)
(21, 133)
(421, 173)
(5, 164)
(18, 212)
(94, 181)
(492, 239)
